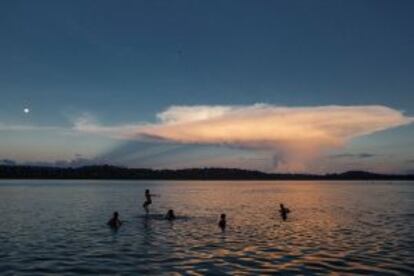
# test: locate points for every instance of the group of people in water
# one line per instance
(115, 222)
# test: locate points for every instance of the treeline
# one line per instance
(113, 172)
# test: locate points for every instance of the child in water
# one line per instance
(283, 211)
(148, 200)
(170, 215)
(222, 222)
(114, 222)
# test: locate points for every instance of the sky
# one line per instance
(279, 86)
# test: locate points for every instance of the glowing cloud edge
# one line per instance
(296, 134)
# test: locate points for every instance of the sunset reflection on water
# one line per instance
(347, 227)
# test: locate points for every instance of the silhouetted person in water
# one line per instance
(170, 215)
(222, 222)
(148, 200)
(114, 222)
(283, 211)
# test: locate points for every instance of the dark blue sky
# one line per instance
(125, 61)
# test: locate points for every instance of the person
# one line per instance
(170, 215)
(283, 211)
(114, 222)
(148, 200)
(222, 222)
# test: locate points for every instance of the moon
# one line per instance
(26, 110)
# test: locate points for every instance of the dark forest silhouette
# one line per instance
(113, 172)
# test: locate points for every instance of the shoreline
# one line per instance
(106, 172)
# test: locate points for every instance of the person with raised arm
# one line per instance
(148, 200)
(283, 211)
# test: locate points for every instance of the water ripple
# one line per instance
(347, 228)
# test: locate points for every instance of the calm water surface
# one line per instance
(58, 227)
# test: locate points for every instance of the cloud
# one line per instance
(295, 135)
(77, 162)
(8, 127)
(352, 155)
(8, 162)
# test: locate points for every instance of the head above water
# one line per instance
(116, 214)
(147, 191)
(170, 214)
(223, 216)
(282, 206)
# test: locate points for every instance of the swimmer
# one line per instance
(148, 200)
(114, 222)
(283, 211)
(170, 215)
(222, 222)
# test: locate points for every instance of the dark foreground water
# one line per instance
(58, 227)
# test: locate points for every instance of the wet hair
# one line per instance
(223, 216)
(170, 214)
(116, 214)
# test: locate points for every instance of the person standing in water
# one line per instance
(114, 222)
(222, 222)
(170, 215)
(283, 211)
(148, 200)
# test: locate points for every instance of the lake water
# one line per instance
(58, 227)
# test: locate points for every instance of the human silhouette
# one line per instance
(222, 222)
(170, 215)
(148, 200)
(114, 222)
(283, 211)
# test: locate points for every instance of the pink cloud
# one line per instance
(296, 135)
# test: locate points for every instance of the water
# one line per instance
(58, 227)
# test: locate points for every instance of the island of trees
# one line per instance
(113, 172)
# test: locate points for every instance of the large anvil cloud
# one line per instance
(295, 134)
